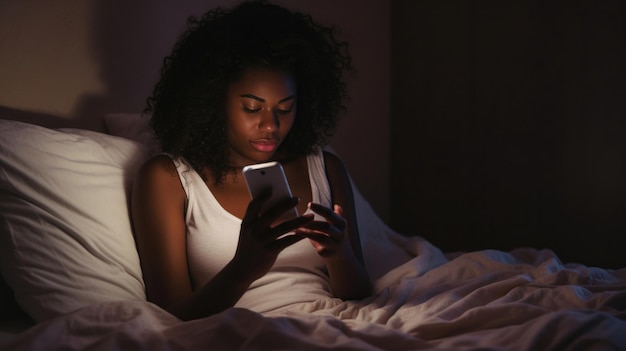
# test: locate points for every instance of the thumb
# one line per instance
(338, 210)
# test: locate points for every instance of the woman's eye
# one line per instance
(284, 111)
(251, 109)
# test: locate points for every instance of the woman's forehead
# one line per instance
(264, 83)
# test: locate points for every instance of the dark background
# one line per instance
(509, 126)
(502, 124)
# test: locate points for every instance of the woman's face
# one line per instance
(261, 109)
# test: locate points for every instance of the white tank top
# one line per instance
(299, 274)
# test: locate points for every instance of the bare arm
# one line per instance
(337, 240)
(159, 222)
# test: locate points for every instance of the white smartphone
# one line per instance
(269, 175)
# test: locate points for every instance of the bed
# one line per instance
(70, 265)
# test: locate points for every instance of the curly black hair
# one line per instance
(188, 102)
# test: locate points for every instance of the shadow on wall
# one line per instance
(129, 43)
(42, 119)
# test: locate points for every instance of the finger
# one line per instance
(329, 214)
(255, 205)
(323, 229)
(321, 210)
(317, 237)
(274, 212)
(291, 225)
(323, 244)
(286, 241)
(339, 210)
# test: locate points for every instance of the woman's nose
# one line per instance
(269, 121)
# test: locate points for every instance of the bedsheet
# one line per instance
(520, 300)
(424, 299)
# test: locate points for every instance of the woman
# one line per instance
(254, 84)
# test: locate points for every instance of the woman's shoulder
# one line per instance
(159, 163)
(158, 180)
(160, 168)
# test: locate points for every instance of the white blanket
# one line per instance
(520, 300)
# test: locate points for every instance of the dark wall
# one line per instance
(509, 125)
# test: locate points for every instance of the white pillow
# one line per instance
(65, 232)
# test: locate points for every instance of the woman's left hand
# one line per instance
(328, 237)
(331, 239)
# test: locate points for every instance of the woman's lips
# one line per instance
(265, 145)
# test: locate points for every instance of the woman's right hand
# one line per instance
(259, 242)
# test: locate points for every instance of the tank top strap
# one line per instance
(317, 174)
